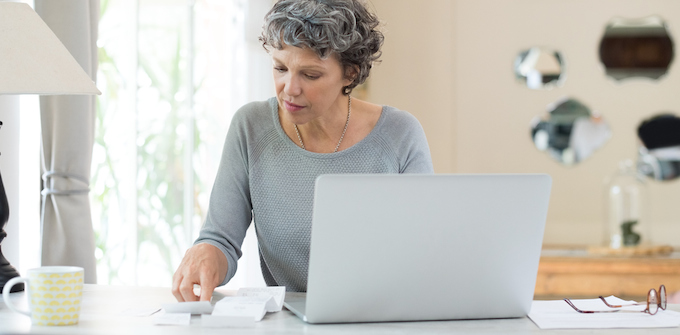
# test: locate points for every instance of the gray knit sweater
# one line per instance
(266, 178)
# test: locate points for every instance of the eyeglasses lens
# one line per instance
(652, 302)
(662, 297)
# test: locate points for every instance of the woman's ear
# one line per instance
(351, 73)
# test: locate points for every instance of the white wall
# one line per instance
(450, 64)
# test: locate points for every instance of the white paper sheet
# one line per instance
(242, 306)
(277, 293)
(192, 307)
(557, 314)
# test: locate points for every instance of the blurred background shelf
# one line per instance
(576, 272)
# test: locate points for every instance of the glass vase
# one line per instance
(626, 196)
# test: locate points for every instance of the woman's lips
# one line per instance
(291, 107)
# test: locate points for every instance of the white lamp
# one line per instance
(32, 61)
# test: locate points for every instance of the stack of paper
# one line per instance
(247, 307)
(243, 310)
(557, 314)
(189, 307)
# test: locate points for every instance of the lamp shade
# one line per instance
(33, 60)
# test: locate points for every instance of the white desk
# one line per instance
(101, 304)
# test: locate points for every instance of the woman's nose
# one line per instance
(292, 86)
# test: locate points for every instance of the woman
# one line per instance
(275, 149)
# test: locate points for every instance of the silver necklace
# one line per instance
(349, 112)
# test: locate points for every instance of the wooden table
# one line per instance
(576, 273)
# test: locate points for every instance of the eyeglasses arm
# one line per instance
(614, 306)
(582, 311)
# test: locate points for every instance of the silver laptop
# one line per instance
(423, 247)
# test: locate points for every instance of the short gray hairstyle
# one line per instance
(344, 28)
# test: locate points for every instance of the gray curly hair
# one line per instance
(328, 27)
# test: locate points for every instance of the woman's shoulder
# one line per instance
(402, 132)
(395, 120)
(253, 122)
(255, 113)
(400, 129)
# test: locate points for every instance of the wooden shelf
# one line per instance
(574, 273)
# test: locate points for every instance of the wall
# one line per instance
(416, 72)
(450, 64)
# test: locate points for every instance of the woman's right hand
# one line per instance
(203, 264)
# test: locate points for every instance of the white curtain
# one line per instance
(67, 138)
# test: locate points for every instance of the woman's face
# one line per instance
(307, 87)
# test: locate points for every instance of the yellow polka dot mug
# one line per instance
(54, 295)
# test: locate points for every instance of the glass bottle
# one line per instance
(625, 201)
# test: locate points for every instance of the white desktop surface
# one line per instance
(102, 306)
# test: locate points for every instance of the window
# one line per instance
(172, 74)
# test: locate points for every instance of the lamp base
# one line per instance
(7, 272)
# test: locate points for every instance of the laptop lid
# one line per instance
(424, 247)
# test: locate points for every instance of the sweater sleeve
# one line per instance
(230, 206)
(409, 142)
(418, 158)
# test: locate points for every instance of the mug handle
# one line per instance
(6, 290)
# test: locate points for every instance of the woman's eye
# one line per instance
(312, 77)
(280, 69)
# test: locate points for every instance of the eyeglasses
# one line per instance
(655, 300)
